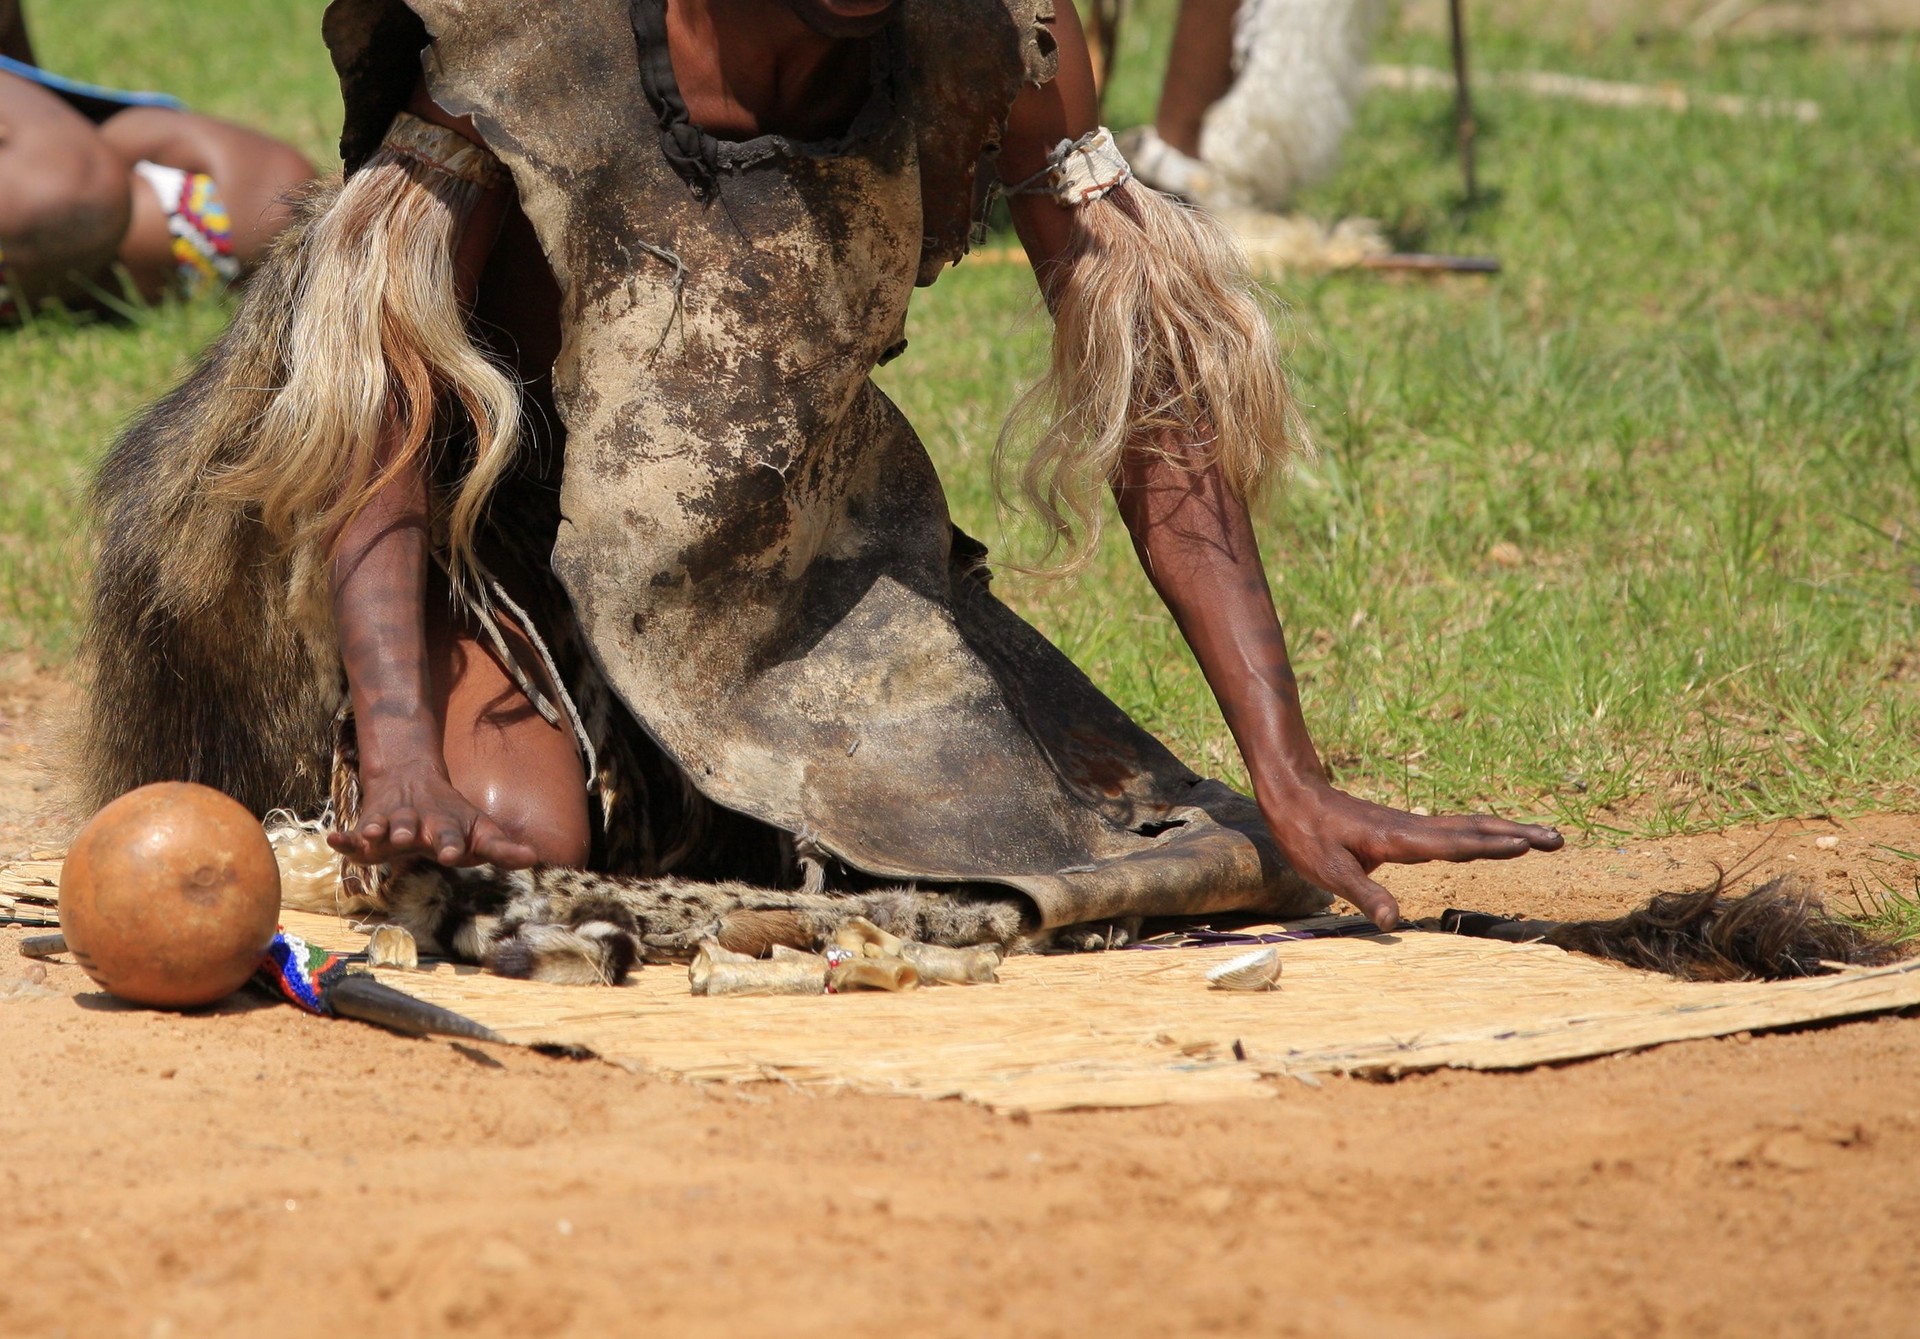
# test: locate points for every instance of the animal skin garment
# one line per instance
(754, 543)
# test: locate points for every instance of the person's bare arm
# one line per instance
(408, 804)
(256, 174)
(1196, 542)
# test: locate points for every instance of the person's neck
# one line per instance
(749, 67)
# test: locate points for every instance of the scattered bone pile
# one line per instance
(862, 956)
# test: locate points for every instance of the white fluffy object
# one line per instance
(1301, 68)
(309, 868)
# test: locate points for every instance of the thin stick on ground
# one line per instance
(1596, 92)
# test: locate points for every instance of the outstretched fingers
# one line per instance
(446, 829)
(1471, 837)
(371, 843)
(1536, 836)
(443, 836)
(403, 828)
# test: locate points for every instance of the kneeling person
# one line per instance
(544, 511)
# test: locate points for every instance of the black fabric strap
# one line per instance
(690, 153)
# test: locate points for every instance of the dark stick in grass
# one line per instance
(1417, 262)
(1462, 95)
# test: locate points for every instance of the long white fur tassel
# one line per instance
(1161, 342)
(1302, 66)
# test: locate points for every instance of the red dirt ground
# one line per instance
(251, 1170)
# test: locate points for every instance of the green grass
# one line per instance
(1623, 537)
(1889, 905)
(67, 386)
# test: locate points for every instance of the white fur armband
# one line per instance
(1079, 171)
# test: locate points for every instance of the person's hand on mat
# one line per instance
(1335, 840)
(1196, 541)
(419, 813)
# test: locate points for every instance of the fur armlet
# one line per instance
(1079, 171)
(442, 150)
(1161, 342)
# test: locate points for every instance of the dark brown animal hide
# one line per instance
(1778, 931)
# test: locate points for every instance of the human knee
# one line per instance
(63, 210)
(537, 796)
(254, 173)
(554, 824)
(569, 850)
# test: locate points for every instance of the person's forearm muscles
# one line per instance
(380, 565)
(1196, 542)
(379, 584)
(379, 600)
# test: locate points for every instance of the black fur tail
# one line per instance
(1778, 931)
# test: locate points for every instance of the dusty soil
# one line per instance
(251, 1169)
(35, 815)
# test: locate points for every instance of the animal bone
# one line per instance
(718, 971)
(862, 937)
(392, 946)
(874, 974)
(952, 966)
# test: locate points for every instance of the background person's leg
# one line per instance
(1199, 71)
(254, 173)
(65, 196)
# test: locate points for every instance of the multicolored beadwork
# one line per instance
(298, 971)
(197, 218)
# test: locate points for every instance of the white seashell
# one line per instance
(1258, 970)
